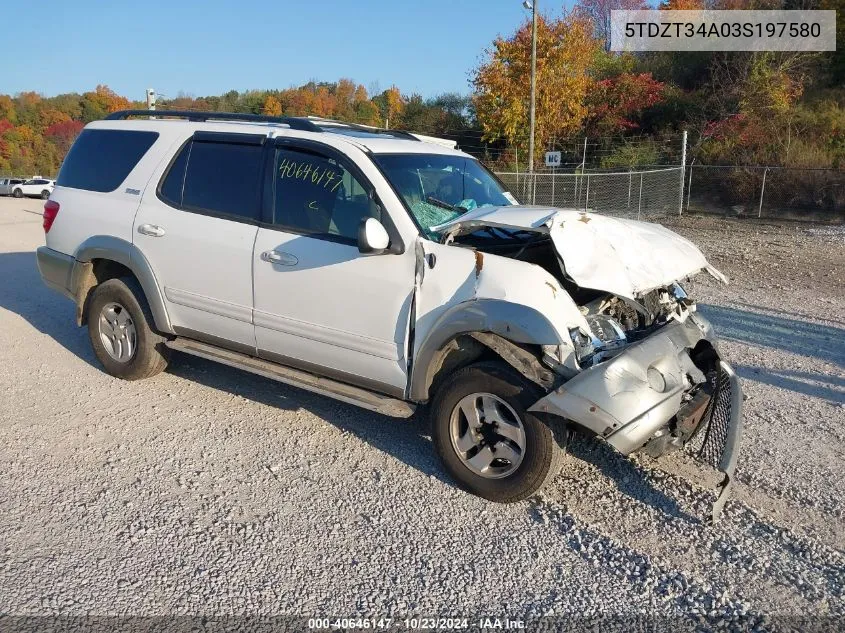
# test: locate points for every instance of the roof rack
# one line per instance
(306, 124)
(362, 128)
(295, 123)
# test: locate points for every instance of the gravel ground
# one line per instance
(206, 490)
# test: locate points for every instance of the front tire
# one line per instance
(17, 193)
(487, 440)
(120, 329)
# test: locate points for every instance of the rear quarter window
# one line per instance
(100, 160)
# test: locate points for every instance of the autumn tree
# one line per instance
(324, 103)
(271, 106)
(392, 104)
(753, 107)
(7, 109)
(364, 110)
(63, 134)
(107, 99)
(344, 97)
(614, 103)
(565, 48)
(51, 116)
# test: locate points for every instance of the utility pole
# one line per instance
(683, 173)
(151, 99)
(533, 6)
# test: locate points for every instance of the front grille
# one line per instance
(710, 443)
(717, 441)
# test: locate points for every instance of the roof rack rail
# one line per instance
(306, 124)
(363, 128)
(295, 123)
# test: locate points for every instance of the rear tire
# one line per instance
(120, 329)
(525, 454)
(45, 194)
(17, 193)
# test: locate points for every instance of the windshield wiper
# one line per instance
(445, 205)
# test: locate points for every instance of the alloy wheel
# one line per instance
(487, 434)
(117, 332)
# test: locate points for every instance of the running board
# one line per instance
(318, 384)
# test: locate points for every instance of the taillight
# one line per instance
(51, 210)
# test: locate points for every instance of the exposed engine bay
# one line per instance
(615, 322)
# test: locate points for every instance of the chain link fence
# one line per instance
(639, 194)
(657, 184)
(773, 192)
(760, 192)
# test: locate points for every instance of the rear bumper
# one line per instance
(56, 269)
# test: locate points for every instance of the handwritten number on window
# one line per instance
(326, 178)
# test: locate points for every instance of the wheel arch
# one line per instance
(103, 257)
(483, 328)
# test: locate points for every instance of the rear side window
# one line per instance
(100, 160)
(171, 188)
(216, 178)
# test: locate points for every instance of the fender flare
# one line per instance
(513, 322)
(127, 254)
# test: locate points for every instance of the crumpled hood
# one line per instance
(625, 257)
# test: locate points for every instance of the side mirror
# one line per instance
(372, 236)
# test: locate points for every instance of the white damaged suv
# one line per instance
(388, 270)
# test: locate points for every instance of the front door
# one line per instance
(320, 304)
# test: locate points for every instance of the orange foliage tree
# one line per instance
(565, 48)
(271, 107)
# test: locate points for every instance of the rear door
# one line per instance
(197, 229)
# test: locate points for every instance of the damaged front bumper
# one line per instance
(717, 443)
(633, 397)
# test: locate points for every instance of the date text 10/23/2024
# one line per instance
(417, 623)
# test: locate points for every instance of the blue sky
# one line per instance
(205, 48)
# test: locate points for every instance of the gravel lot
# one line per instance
(210, 491)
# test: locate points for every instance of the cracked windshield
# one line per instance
(439, 188)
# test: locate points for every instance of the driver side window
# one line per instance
(318, 196)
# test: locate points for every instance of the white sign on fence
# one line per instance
(552, 159)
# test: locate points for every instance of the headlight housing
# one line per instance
(584, 344)
(607, 336)
(607, 330)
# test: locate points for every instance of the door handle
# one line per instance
(276, 257)
(151, 229)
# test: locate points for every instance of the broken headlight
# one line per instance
(584, 344)
(607, 336)
(607, 330)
